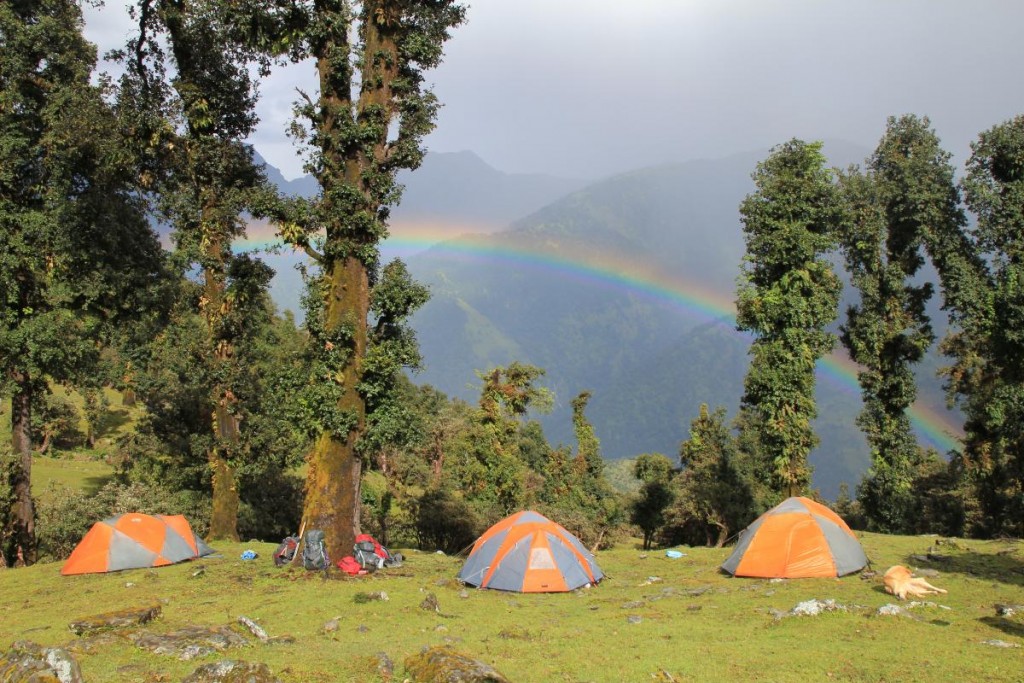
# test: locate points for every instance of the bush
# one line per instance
(65, 515)
(445, 522)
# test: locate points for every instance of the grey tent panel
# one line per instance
(479, 562)
(846, 551)
(746, 536)
(511, 571)
(202, 549)
(572, 571)
(176, 548)
(126, 553)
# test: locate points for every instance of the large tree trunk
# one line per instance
(332, 497)
(226, 431)
(224, 517)
(21, 541)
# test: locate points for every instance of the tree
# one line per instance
(76, 254)
(788, 293)
(366, 124)
(906, 190)
(713, 492)
(205, 177)
(656, 495)
(982, 281)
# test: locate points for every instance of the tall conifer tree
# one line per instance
(75, 251)
(907, 189)
(982, 279)
(366, 123)
(788, 294)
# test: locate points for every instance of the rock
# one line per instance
(230, 671)
(254, 628)
(926, 572)
(445, 665)
(812, 608)
(189, 642)
(892, 610)
(362, 598)
(633, 604)
(332, 625)
(995, 642)
(634, 619)
(385, 667)
(27, 662)
(135, 616)
(430, 603)
(1009, 610)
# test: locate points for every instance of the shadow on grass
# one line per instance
(1007, 626)
(112, 421)
(92, 485)
(1002, 567)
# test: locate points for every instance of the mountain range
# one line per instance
(621, 287)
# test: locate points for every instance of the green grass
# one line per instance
(695, 622)
(80, 473)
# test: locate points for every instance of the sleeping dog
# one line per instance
(899, 582)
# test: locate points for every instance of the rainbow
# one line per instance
(686, 296)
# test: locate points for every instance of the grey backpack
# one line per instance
(314, 550)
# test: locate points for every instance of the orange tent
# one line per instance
(529, 553)
(798, 538)
(135, 540)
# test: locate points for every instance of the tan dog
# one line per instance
(900, 582)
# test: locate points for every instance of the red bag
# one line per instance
(349, 565)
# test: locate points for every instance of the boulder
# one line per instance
(445, 665)
(133, 616)
(27, 662)
(230, 671)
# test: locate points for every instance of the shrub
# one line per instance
(445, 522)
(65, 515)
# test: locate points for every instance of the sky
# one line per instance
(589, 88)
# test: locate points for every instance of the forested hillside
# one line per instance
(621, 288)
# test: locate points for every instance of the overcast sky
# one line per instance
(587, 88)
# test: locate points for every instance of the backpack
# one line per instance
(366, 555)
(314, 551)
(349, 565)
(285, 552)
(371, 555)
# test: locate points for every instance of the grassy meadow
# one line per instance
(653, 618)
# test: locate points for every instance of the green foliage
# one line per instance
(907, 191)
(66, 514)
(54, 417)
(444, 521)
(648, 509)
(78, 258)
(981, 280)
(788, 293)
(715, 491)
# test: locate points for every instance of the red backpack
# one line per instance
(349, 565)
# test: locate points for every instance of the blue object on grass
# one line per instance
(250, 555)
(674, 554)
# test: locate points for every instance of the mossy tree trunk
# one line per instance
(20, 543)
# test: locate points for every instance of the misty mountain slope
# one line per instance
(554, 285)
(460, 188)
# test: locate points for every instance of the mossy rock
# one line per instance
(230, 671)
(444, 665)
(134, 616)
(27, 662)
